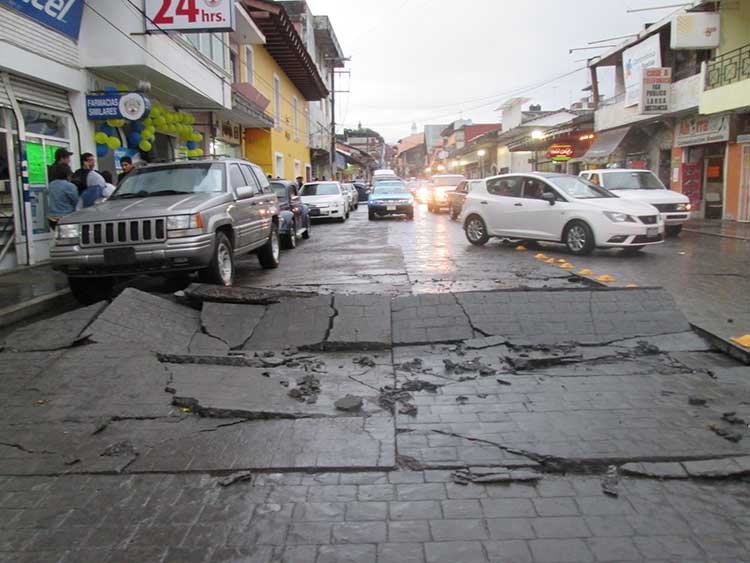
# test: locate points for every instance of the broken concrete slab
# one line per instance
(145, 321)
(421, 319)
(659, 470)
(56, 333)
(361, 322)
(202, 293)
(202, 343)
(680, 342)
(349, 403)
(230, 322)
(483, 342)
(294, 321)
(713, 468)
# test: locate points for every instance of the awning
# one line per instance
(605, 144)
(245, 113)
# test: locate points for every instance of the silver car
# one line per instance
(176, 217)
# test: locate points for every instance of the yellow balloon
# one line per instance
(101, 138)
(113, 122)
(113, 143)
(145, 146)
(123, 87)
(198, 152)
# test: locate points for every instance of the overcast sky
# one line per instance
(434, 61)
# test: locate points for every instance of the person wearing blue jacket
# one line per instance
(62, 194)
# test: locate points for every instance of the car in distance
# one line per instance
(440, 187)
(558, 208)
(390, 198)
(645, 186)
(294, 216)
(196, 215)
(325, 200)
(353, 196)
(362, 190)
(457, 197)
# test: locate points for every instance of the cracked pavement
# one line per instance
(493, 412)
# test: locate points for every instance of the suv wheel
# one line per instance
(220, 270)
(88, 291)
(290, 239)
(268, 254)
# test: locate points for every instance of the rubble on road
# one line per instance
(349, 403)
(235, 478)
(364, 361)
(611, 481)
(492, 476)
(725, 433)
(473, 365)
(307, 389)
(396, 399)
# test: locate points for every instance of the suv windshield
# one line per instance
(390, 188)
(323, 188)
(448, 180)
(279, 190)
(171, 180)
(579, 188)
(645, 180)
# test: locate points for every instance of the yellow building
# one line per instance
(282, 77)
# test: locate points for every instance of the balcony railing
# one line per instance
(728, 68)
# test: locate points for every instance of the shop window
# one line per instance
(276, 101)
(249, 65)
(44, 123)
(279, 165)
(295, 109)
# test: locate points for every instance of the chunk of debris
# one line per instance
(235, 478)
(611, 481)
(485, 342)
(462, 400)
(408, 409)
(732, 418)
(123, 447)
(473, 365)
(349, 403)
(413, 365)
(645, 348)
(71, 460)
(466, 476)
(725, 433)
(364, 361)
(697, 401)
(307, 389)
(170, 390)
(541, 357)
(419, 385)
(392, 397)
(503, 381)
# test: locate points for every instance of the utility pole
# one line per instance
(332, 156)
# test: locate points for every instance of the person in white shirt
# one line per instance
(109, 187)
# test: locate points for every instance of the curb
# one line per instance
(26, 309)
(699, 232)
(724, 345)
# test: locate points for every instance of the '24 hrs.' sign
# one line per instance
(189, 15)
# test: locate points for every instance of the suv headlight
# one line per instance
(619, 217)
(185, 225)
(682, 207)
(68, 232)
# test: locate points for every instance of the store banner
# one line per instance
(703, 129)
(194, 16)
(646, 54)
(656, 90)
(692, 183)
(131, 106)
(63, 16)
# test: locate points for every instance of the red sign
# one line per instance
(561, 153)
(692, 183)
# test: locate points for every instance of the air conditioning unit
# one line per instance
(696, 31)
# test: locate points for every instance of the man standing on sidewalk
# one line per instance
(62, 197)
(81, 175)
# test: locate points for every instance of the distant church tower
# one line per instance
(413, 128)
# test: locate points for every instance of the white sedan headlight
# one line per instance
(68, 232)
(617, 217)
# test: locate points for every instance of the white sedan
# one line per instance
(558, 208)
(325, 200)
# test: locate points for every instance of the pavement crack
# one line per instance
(331, 319)
(468, 318)
(24, 449)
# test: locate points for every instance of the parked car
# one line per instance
(645, 186)
(440, 187)
(457, 197)
(422, 194)
(353, 196)
(362, 191)
(165, 218)
(294, 216)
(325, 200)
(558, 208)
(382, 173)
(390, 198)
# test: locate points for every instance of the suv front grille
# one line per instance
(665, 207)
(123, 232)
(648, 219)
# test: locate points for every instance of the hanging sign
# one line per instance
(561, 153)
(702, 129)
(63, 16)
(131, 106)
(189, 16)
(646, 54)
(656, 90)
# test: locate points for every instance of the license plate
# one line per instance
(390, 208)
(119, 256)
(315, 212)
(652, 231)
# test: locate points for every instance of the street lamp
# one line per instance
(441, 167)
(481, 153)
(536, 134)
(428, 170)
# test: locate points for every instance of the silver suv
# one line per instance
(184, 216)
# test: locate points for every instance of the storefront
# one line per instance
(702, 147)
(227, 139)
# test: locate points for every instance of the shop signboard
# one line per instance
(646, 54)
(561, 153)
(656, 90)
(692, 182)
(227, 131)
(132, 106)
(702, 129)
(189, 16)
(64, 16)
(700, 30)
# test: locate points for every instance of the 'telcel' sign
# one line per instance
(189, 16)
(61, 15)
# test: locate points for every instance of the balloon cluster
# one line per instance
(143, 133)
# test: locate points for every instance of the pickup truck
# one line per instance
(177, 217)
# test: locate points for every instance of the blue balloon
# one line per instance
(108, 130)
(137, 126)
(191, 145)
(101, 150)
(111, 90)
(134, 138)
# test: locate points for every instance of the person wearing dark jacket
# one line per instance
(126, 163)
(81, 175)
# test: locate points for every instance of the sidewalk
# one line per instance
(26, 291)
(719, 228)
